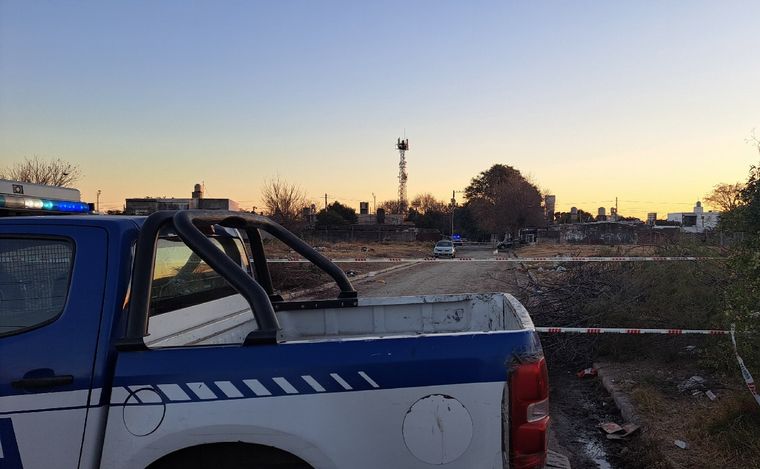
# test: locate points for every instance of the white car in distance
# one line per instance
(444, 248)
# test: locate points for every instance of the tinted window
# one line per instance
(34, 281)
(182, 279)
(444, 243)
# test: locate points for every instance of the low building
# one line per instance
(23, 198)
(148, 205)
(696, 221)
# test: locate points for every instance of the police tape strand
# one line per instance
(636, 331)
(496, 259)
(745, 372)
(620, 330)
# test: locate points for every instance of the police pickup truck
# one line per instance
(159, 341)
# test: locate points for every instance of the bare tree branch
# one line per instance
(53, 172)
(283, 201)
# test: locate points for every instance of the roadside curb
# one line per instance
(357, 279)
(622, 401)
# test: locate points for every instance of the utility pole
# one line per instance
(453, 205)
(325, 200)
(97, 201)
(374, 203)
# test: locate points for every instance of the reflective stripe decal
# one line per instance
(285, 385)
(257, 387)
(368, 379)
(341, 381)
(228, 389)
(202, 391)
(173, 392)
(313, 383)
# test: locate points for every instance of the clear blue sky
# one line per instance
(647, 101)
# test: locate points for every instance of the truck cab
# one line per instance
(160, 342)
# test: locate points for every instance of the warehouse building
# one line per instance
(148, 205)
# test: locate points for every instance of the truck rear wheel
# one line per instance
(230, 456)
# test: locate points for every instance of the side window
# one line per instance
(34, 281)
(191, 304)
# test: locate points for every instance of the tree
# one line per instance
(53, 172)
(726, 197)
(567, 217)
(504, 201)
(424, 203)
(743, 291)
(283, 202)
(392, 206)
(336, 214)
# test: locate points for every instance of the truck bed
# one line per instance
(229, 320)
(408, 315)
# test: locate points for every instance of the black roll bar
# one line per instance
(248, 221)
(186, 223)
(142, 278)
(253, 292)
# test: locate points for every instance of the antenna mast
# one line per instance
(402, 146)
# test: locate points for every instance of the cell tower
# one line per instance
(402, 146)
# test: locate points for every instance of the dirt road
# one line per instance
(446, 277)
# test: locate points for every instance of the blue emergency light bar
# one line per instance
(13, 202)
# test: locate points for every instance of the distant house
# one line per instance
(696, 221)
(148, 205)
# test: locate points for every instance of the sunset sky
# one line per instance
(651, 101)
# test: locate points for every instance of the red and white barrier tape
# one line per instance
(620, 330)
(745, 372)
(494, 259)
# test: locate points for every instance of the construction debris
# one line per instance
(617, 432)
(695, 383)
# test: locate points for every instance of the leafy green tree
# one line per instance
(502, 200)
(743, 293)
(336, 214)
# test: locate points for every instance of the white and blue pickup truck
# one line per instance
(159, 341)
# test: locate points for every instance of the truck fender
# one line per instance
(177, 441)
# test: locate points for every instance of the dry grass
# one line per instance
(275, 248)
(720, 433)
(551, 249)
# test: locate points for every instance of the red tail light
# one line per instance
(529, 415)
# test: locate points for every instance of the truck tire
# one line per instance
(230, 456)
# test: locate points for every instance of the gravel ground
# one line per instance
(446, 277)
